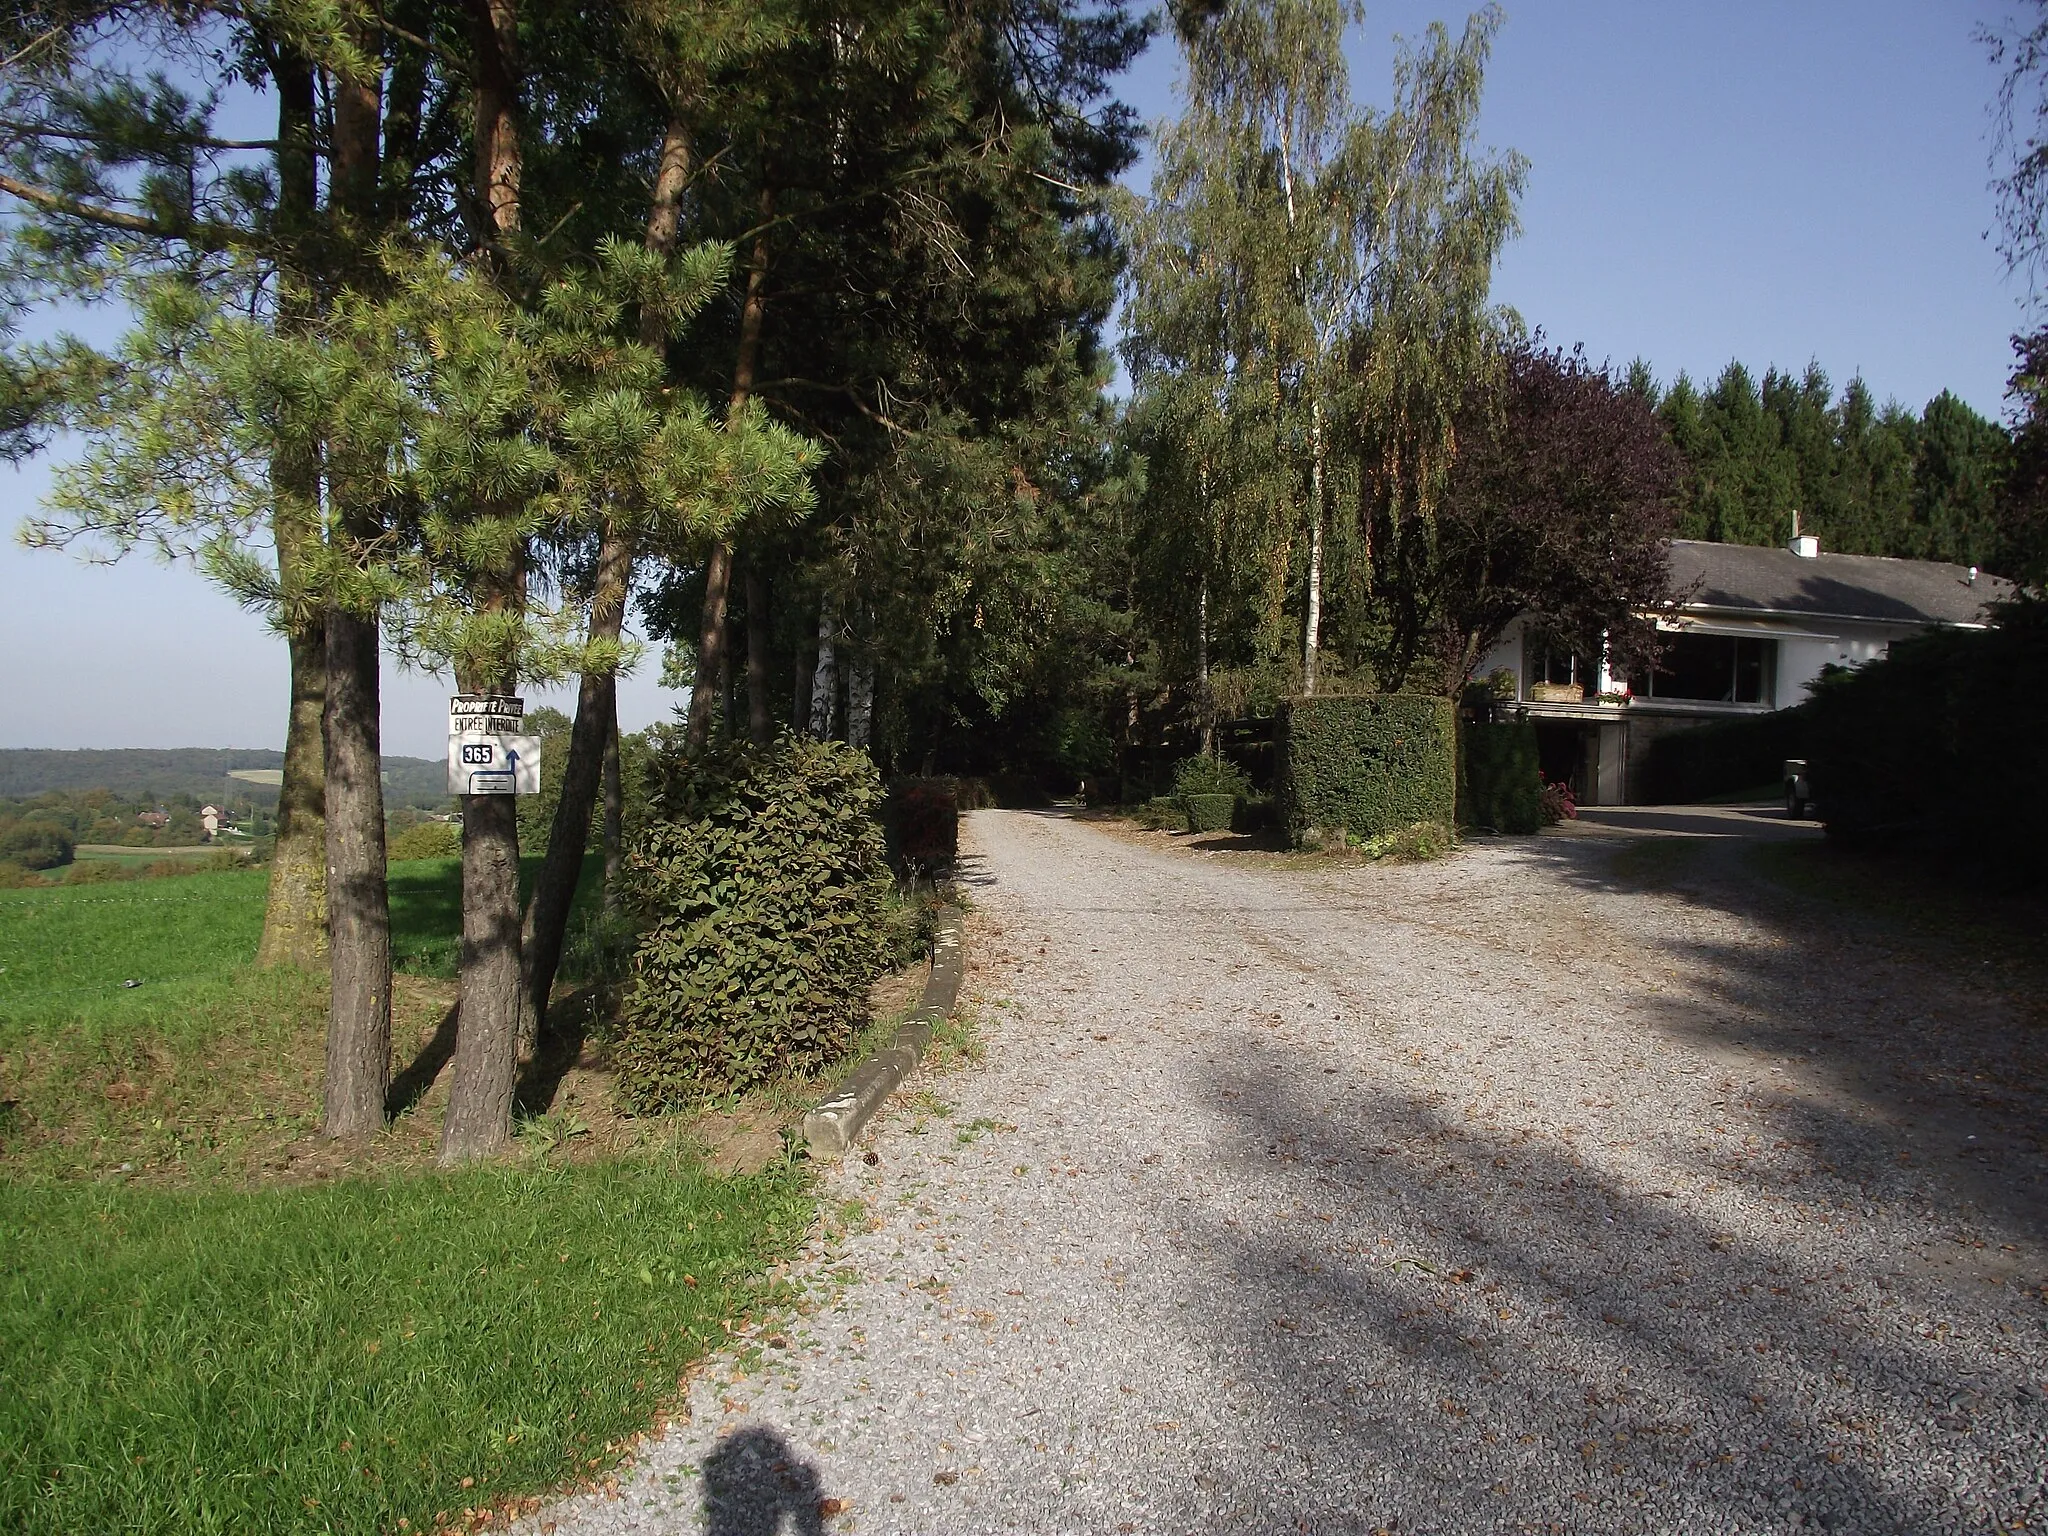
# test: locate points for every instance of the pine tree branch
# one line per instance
(206, 236)
(879, 189)
(852, 396)
(425, 44)
(193, 141)
(33, 44)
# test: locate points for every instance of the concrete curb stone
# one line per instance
(832, 1127)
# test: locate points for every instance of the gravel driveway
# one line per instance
(1496, 1194)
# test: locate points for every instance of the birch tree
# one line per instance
(1312, 294)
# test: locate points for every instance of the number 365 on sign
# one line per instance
(481, 763)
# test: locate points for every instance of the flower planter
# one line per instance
(1556, 693)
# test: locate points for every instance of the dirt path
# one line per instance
(1498, 1194)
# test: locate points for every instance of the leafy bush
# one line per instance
(1935, 749)
(1503, 781)
(35, 845)
(1209, 776)
(1556, 803)
(1724, 757)
(1365, 765)
(426, 840)
(1208, 813)
(763, 888)
(1415, 843)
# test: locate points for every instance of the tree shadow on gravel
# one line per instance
(1931, 1060)
(755, 1484)
(1450, 1327)
(972, 871)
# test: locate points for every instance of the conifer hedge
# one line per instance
(1503, 778)
(1366, 764)
(763, 889)
(1938, 749)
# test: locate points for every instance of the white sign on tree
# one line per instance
(486, 753)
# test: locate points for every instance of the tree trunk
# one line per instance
(494, 28)
(760, 728)
(479, 1119)
(554, 891)
(727, 718)
(614, 818)
(800, 698)
(1203, 702)
(358, 904)
(593, 741)
(358, 901)
(825, 677)
(295, 906)
(712, 660)
(1312, 619)
(706, 696)
(1312, 627)
(860, 701)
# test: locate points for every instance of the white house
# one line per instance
(1753, 629)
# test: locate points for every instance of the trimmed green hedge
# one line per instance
(763, 888)
(1366, 764)
(1252, 813)
(1938, 749)
(1208, 813)
(1503, 778)
(1723, 757)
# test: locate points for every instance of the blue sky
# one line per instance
(1769, 180)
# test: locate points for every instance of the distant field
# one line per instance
(203, 772)
(124, 851)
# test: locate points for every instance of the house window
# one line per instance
(1714, 669)
(1551, 664)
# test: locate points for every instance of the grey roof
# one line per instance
(1745, 578)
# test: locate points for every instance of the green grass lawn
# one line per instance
(340, 1357)
(66, 950)
(187, 1344)
(426, 911)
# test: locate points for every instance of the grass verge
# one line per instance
(344, 1357)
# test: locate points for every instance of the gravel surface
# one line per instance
(1506, 1193)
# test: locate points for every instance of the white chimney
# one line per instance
(1804, 545)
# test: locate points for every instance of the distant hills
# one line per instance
(206, 772)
